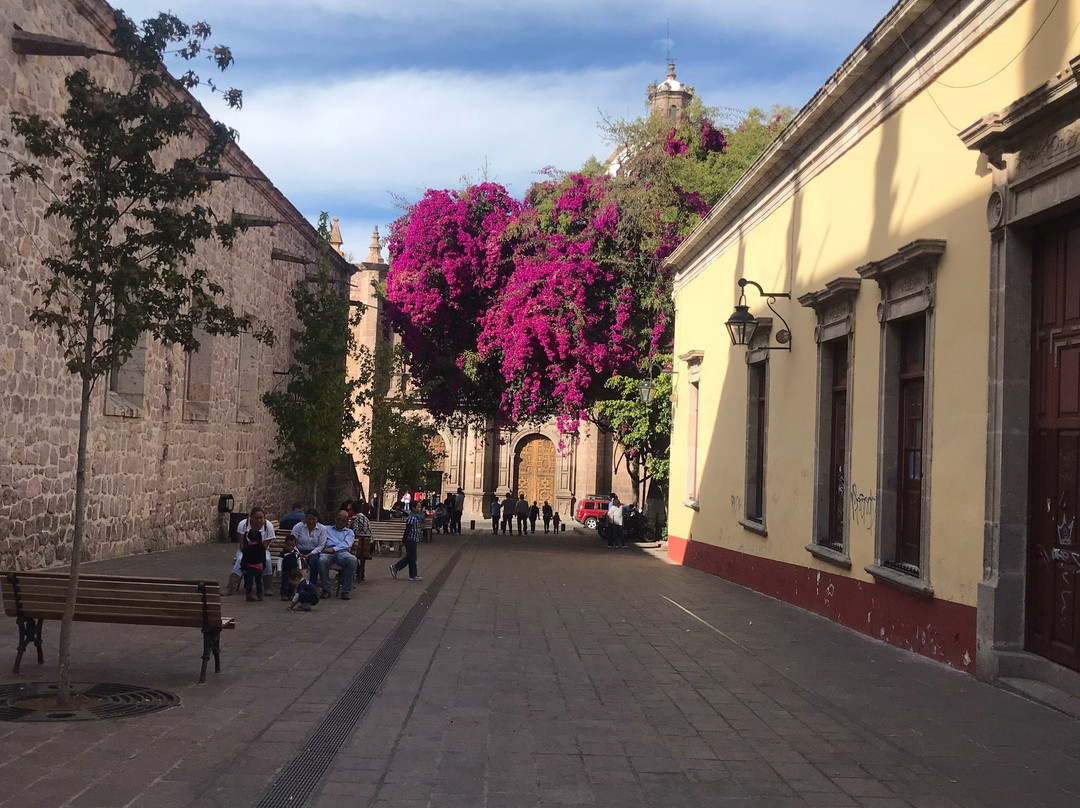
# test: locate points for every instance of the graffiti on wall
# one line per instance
(862, 507)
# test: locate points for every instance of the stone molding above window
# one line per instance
(1012, 129)
(758, 349)
(693, 360)
(835, 308)
(906, 278)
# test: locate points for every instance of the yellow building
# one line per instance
(898, 446)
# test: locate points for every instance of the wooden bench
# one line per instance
(36, 596)
(389, 532)
(361, 549)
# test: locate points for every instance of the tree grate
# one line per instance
(36, 701)
(298, 780)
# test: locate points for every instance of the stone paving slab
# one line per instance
(549, 671)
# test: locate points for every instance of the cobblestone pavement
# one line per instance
(547, 671)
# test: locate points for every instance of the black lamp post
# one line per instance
(741, 325)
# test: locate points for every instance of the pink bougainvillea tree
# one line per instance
(520, 311)
(452, 256)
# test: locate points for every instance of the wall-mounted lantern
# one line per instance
(741, 325)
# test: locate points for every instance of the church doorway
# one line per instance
(534, 469)
(435, 476)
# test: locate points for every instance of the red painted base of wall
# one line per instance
(935, 628)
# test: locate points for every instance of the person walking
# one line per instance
(459, 509)
(534, 514)
(521, 511)
(508, 505)
(546, 510)
(412, 542)
(496, 511)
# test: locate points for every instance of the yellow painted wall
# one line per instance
(910, 178)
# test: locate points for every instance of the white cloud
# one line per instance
(412, 130)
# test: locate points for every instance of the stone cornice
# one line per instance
(692, 357)
(1054, 102)
(921, 253)
(840, 290)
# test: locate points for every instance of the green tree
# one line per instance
(400, 454)
(131, 216)
(398, 444)
(642, 431)
(745, 143)
(314, 413)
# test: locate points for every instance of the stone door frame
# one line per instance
(1031, 149)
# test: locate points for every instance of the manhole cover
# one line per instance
(36, 701)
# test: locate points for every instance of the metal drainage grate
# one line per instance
(296, 782)
(36, 701)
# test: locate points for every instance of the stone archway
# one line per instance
(534, 469)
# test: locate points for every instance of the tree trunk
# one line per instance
(64, 693)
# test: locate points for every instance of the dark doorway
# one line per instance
(1053, 607)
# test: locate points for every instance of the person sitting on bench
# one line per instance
(339, 542)
(310, 540)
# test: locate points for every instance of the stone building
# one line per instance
(170, 432)
(900, 454)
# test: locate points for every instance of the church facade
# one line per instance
(487, 462)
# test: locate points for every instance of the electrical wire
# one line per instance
(930, 95)
(1027, 44)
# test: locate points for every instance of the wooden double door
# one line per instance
(1053, 602)
(534, 470)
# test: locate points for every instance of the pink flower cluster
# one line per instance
(695, 139)
(522, 310)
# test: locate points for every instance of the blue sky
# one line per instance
(351, 104)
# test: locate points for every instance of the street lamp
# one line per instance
(646, 390)
(741, 325)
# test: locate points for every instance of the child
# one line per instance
(306, 594)
(555, 521)
(288, 560)
(252, 560)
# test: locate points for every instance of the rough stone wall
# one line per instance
(154, 478)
